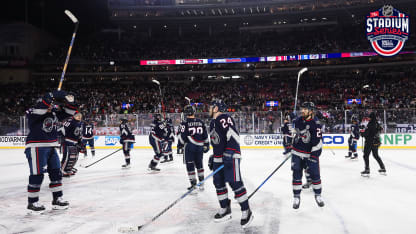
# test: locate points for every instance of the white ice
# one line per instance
(105, 197)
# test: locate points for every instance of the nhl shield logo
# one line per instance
(387, 30)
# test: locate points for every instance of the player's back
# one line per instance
(196, 131)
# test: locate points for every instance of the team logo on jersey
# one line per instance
(48, 124)
(215, 138)
(305, 135)
(387, 30)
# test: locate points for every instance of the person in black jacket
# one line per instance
(372, 143)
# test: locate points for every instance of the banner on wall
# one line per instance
(247, 141)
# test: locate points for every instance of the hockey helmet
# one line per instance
(222, 107)
(309, 106)
(189, 110)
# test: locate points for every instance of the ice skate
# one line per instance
(223, 214)
(365, 173)
(246, 218)
(35, 208)
(296, 202)
(319, 200)
(307, 185)
(60, 204)
(382, 171)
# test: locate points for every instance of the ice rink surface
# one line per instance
(105, 197)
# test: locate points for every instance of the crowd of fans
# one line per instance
(327, 92)
(378, 91)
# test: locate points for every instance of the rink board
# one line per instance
(247, 141)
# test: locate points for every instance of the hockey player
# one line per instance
(40, 147)
(88, 136)
(126, 140)
(287, 137)
(306, 149)
(71, 131)
(372, 143)
(193, 138)
(353, 139)
(225, 141)
(156, 138)
(318, 117)
(167, 151)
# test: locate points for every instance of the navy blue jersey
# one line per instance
(125, 133)
(224, 135)
(87, 131)
(43, 124)
(355, 132)
(193, 131)
(308, 138)
(72, 131)
(159, 130)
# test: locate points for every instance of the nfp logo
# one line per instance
(387, 30)
(111, 140)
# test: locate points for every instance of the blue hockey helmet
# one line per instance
(189, 110)
(309, 106)
(222, 107)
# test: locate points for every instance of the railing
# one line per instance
(256, 122)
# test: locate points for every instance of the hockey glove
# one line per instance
(211, 162)
(206, 148)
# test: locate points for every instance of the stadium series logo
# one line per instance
(387, 30)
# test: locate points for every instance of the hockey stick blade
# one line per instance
(71, 16)
(137, 228)
(156, 82)
(303, 70)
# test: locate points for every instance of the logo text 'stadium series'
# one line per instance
(387, 30)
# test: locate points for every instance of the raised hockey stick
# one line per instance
(138, 228)
(189, 100)
(68, 55)
(102, 158)
(303, 70)
(278, 167)
(161, 97)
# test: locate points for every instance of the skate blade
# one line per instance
(383, 173)
(127, 229)
(35, 213)
(366, 176)
(56, 207)
(223, 219)
(249, 221)
(152, 171)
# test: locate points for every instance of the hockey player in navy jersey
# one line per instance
(157, 136)
(353, 139)
(193, 138)
(88, 136)
(286, 132)
(225, 141)
(40, 147)
(71, 131)
(306, 149)
(318, 118)
(126, 140)
(170, 138)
